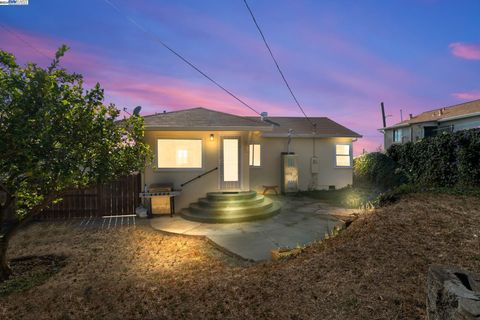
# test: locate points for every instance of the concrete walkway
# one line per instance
(301, 221)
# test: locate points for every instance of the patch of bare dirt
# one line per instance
(375, 269)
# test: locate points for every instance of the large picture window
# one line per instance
(179, 153)
(342, 155)
(254, 155)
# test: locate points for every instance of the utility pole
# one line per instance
(401, 115)
(383, 115)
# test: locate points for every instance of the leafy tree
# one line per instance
(55, 136)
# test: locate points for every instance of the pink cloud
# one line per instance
(128, 84)
(467, 95)
(465, 51)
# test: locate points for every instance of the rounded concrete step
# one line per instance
(272, 210)
(233, 210)
(228, 196)
(205, 202)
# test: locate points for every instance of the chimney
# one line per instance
(411, 116)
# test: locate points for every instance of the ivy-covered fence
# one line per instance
(447, 160)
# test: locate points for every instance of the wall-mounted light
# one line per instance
(211, 136)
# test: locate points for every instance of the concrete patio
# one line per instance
(301, 221)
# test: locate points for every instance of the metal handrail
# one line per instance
(198, 177)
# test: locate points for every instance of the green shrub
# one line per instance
(447, 160)
(378, 170)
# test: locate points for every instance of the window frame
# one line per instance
(157, 168)
(350, 153)
(261, 158)
(400, 130)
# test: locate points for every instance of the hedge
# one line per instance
(378, 170)
(446, 160)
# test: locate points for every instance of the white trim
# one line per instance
(261, 156)
(350, 155)
(240, 162)
(155, 160)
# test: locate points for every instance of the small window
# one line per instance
(397, 135)
(342, 155)
(254, 155)
(179, 154)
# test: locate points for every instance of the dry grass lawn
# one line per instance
(375, 269)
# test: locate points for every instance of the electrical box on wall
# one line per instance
(315, 164)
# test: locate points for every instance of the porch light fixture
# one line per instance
(211, 136)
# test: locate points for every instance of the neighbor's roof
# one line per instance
(463, 110)
(202, 119)
(303, 128)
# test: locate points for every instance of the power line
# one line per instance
(276, 63)
(24, 41)
(157, 39)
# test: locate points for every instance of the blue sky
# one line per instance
(342, 58)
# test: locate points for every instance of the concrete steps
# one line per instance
(228, 207)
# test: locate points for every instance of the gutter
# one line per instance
(208, 128)
(308, 135)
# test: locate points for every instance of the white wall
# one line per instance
(208, 183)
(270, 171)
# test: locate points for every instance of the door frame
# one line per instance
(223, 185)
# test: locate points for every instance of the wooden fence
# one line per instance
(116, 198)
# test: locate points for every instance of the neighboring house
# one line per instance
(430, 123)
(246, 150)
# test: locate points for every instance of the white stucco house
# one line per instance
(429, 123)
(201, 151)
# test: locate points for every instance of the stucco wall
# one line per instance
(270, 171)
(208, 183)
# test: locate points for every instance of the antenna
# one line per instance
(136, 111)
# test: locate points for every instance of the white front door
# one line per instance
(230, 174)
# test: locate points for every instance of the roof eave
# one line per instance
(209, 128)
(309, 135)
(463, 116)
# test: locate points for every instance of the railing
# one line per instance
(198, 177)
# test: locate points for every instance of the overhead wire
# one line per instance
(16, 35)
(277, 64)
(181, 57)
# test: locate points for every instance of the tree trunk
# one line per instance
(8, 226)
(10, 223)
(5, 270)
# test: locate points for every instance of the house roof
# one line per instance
(202, 119)
(463, 110)
(303, 128)
(205, 119)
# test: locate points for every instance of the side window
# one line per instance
(397, 135)
(255, 155)
(343, 157)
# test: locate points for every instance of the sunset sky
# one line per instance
(342, 58)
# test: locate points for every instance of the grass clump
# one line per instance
(30, 272)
